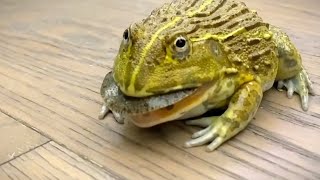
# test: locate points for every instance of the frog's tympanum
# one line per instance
(192, 56)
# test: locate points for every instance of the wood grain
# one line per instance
(52, 161)
(16, 138)
(54, 55)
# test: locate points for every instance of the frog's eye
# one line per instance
(126, 35)
(181, 44)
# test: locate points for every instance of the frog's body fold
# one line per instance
(221, 50)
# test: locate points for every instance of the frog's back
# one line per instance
(248, 42)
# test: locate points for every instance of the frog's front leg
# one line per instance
(242, 107)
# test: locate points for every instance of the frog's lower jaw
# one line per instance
(175, 111)
(242, 107)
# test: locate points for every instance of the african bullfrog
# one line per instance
(192, 56)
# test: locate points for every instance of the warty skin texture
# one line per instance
(219, 48)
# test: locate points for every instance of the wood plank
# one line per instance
(52, 161)
(54, 55)
(16, 138)
(4, 175)
(8, 171)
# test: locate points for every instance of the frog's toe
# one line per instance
(302, 85)
(200, 133)
(118, 117)
(290, 89)
(214, 144)
(304, 102)
(215, 134)
(103, 112)
(308, 81)
(209, 134)
(203, 122)
(204, 136)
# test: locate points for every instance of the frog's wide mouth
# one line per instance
(117, 101)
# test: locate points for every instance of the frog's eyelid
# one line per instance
(170, 38)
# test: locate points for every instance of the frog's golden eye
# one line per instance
(126, 36)
(181, 44)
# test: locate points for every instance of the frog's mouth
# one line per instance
(116, 100)
(152, 110)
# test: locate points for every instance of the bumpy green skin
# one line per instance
(226, 43)
(220, 34)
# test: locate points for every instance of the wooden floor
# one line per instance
(53, 57)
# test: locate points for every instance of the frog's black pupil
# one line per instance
(180, 43)
(126, 34)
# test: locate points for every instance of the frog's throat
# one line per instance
(131, 88)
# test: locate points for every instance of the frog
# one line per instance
(220, 51)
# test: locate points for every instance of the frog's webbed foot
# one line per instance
(300, 84)
(242, 107)
(103, 112)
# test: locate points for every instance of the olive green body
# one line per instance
(220, 44)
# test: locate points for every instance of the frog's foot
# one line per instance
(241, 109)
(202, 122)
(217, 132)
(118, 117)
(300, 84)
(103, 112)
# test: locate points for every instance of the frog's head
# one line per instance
(158, 60)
